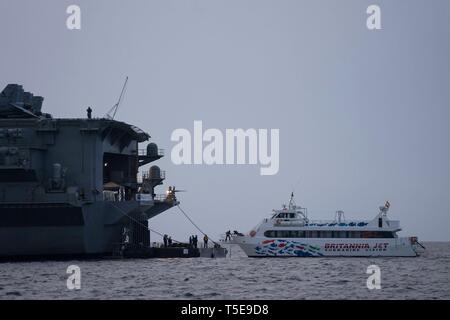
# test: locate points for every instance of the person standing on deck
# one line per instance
(205, 241)
(195, 241)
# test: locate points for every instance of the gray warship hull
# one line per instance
(51, 230)
(73, 186)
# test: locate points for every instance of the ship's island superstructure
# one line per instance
(73, 186)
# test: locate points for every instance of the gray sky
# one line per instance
(363, 115)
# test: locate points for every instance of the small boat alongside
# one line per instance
(290, 233)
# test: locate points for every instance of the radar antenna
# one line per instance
(112, 112)
(339, 216)
(384, 209)
(292, 204)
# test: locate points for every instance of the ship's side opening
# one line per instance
(119, 175)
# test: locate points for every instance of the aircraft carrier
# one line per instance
(73, 187)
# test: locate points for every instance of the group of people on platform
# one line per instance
(167, 241)
(193, 241)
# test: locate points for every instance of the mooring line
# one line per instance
(138, 222)
(193, 223)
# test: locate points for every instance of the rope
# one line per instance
(143, 225)
(193, 223)
(421, 245)
(154, 231)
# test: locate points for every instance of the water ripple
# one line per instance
(238, 277)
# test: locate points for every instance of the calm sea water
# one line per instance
(236, 277)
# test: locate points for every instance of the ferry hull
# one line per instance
(298, 247)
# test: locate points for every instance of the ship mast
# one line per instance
(112, 112)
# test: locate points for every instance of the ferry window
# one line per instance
(386, 234)
(368, 234)
(269, 234)
(355, 234)
(377, 234)
(326, 234)
(288, 234)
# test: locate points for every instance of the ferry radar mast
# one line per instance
(384, 209)
(292, 204)
(302, 212)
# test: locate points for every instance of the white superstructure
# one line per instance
(289, 232)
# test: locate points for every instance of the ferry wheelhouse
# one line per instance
(290, 233)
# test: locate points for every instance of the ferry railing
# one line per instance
(319, 223)
(223, 238)
(335, 222)
(289, 222)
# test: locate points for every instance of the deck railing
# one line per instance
(160, 197)
(145, 175)
(143, 152)
(200, 244)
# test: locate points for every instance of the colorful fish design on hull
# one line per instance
(287, 248)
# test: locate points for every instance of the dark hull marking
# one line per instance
(36, 215)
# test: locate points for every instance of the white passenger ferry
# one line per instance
(289, 233)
